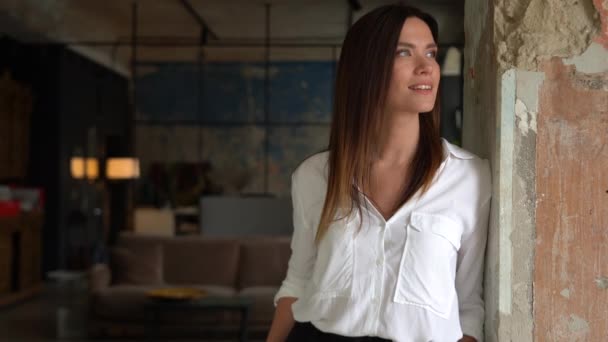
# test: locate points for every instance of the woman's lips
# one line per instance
(422, 89)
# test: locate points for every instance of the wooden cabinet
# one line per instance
(15, 111)
(20, 256)
(5, 262)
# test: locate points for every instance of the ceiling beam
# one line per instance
(199, 19)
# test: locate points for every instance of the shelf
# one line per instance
(20, 257)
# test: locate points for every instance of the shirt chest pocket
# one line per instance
(428, 264)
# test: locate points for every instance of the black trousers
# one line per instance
(306, 332)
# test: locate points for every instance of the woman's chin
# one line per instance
(420, 107)
(423, 109)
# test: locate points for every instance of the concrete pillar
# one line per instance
(536, 105)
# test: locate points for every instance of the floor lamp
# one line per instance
(84, 222)
(119, 172)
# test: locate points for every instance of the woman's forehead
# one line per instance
(416, 32)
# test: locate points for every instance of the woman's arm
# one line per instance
(299, 270)
(283, 320)
(470, 266)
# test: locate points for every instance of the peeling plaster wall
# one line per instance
(571, 304)
(509, 272)
(530, 31)
(520, 325)
(602, 8)
(517, 104)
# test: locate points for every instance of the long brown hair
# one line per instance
(363, 78)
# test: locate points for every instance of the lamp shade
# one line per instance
(79, 167)
(451, 63)
(122, 168)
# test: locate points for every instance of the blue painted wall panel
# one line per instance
(300, 93)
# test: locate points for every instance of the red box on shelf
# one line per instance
(30, 198)
(9, 208)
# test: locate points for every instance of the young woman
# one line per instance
(390, 223)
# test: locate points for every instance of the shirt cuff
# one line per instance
(288, 290)
(471, 327)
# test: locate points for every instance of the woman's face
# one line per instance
(415, 77)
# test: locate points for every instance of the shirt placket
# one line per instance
(380, 278)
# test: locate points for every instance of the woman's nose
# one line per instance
(424, 67)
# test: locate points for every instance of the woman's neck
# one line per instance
(403, 132)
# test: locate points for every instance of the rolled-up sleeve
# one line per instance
(470, 268)
(303, 248)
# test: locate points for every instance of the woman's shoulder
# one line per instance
(468, 158)
(309, 179)
(475, 170)
(459, 152)
(313, 167)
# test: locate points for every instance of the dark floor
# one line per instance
(31, 320)
(40, 319)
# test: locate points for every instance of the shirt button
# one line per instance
(379, 262)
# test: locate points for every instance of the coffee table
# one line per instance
(156, 307)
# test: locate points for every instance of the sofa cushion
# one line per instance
(262, 310)
(263, 262)
(138, 267)
(135, 241)
(195, 260)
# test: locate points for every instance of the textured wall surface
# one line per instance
(570, 292)
(571, 273)
(602, 9)
(530, 31)
(522, 236)
(479, 131)
(517, 105)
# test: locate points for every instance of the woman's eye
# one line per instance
(431, 54)
(403, 53)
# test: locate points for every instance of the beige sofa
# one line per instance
(251, 267)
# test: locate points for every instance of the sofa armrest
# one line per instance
(99, 277)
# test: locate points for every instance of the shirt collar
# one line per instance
(454, 151)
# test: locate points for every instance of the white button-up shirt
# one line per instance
(414, 278)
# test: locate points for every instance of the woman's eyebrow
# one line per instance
(410, 45)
